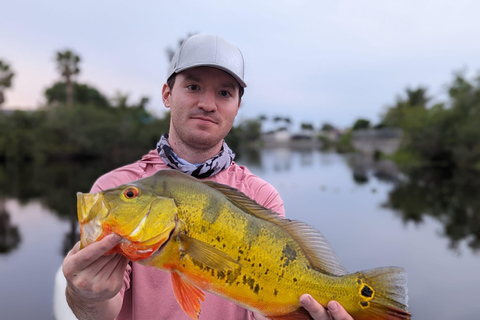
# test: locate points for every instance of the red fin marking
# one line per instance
(299, 314)
(187, 295)
(382, 312)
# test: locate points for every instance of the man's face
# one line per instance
(203, 103)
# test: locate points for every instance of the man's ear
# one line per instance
(166, 94)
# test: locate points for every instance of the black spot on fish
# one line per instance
(275, 292)
(232, 276)
(249, 281)
(294, 279)
(367, 291)
(253, 264)
(210, 210)
(257, 287)
(260, 265)
(198, 264)
(240, 251)
(223, 245)
(359, 281)
(218, 238)
(266, 271)
(364, 303)
(221, 275)
(288, 254)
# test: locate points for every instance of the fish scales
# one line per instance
(212, 237)
(248, 238)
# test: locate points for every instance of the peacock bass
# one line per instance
(212, 237)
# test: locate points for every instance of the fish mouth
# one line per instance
(136, 250)
(150, 233)
(91, 209)
(136, 247)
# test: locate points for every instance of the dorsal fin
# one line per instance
(316, 247)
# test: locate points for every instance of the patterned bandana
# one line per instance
(198, 170)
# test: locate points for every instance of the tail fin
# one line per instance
(383, 294)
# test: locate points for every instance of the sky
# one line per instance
(311, 61)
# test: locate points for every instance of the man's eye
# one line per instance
(192, 87)
(224, 93)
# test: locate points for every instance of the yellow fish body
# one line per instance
(212, 237)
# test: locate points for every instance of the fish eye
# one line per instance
(130, 193)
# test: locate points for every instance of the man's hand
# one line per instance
(318, 312)
(94, 278)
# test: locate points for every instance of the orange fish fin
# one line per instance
(383, 312)
(299, 314)
(208, 254)
(315, 245)
(187, 295)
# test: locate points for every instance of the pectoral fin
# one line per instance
(208, 255)
(187, 295)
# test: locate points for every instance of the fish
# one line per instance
(211, 237)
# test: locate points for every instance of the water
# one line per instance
(372, 215)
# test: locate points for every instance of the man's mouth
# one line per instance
(205, 119)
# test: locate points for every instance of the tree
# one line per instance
(361, 124)
(82, 94)
(171, 51)
(327, 127)
(307, 126)
(395, 115)
(120, 99)
(67, 64)
(6, 76)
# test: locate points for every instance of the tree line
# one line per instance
(79, 121)
(444, 133)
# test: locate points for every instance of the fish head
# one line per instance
(144, 220)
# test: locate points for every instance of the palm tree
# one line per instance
(6, 76)
(171, 51)
(67, 64)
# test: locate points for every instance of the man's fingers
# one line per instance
(75, 249)
(119, 268)
(94, 251)
(108, 268)
(316, 310)
(337, 311)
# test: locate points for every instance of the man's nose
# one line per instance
(207, 101)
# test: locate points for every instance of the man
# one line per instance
(203, 92)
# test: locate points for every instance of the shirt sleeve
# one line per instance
(269, 197)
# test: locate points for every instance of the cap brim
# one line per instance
(213, 65)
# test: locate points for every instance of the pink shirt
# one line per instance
(148, 291)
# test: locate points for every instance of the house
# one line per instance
(369, 141)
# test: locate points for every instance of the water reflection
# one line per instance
(54, 185)
(450, 196)
(363, 167)
(9, 235)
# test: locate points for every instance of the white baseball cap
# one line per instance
(208, 50)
